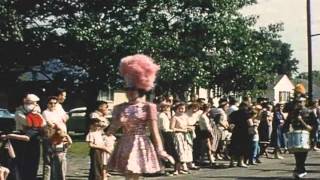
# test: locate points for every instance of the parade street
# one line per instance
(270, 169)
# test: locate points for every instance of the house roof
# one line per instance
(278, 79)
(283, 78)
(34, 76)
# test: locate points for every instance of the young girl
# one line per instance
(179, 125)
(101, 148)
(253, 123)
(60, 141)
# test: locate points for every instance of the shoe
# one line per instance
(301, 175)
(252, 163)
(175, 173)
(212, 159)
(182, 171)
(279, 157)
(212, 165)
(218, 157)
(258, 161)
(194, 168)
(226, 157)
(242, 165)
(168, 174)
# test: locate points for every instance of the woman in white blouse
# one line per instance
(206, 132)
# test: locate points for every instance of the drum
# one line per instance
(298, 141)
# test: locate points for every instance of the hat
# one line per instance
(299, 88)
(139, 71)
(31, 97)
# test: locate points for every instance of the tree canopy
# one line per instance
(196, 42)
(315, 77)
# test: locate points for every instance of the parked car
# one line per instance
(78, 121)
(7, 122)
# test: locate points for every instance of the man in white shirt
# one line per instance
(61, 95)
(233, 106)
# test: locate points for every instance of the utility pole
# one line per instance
(309, 47)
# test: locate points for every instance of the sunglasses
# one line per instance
(52, 102)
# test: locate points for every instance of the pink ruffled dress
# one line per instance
(134, 152)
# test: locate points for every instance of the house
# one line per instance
(213, 95)
(113, 97)
(281, 90)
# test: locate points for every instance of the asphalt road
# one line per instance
(270, 169)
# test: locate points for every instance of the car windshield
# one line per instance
(4, 113)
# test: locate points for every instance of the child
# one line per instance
(35, 123)
(254, 138)
(179, 125)
(109, 142)
(60, 141)
(101, 147)
(61, 138)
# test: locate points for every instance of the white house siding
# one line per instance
(204, 93)
(117, 97)
(283, 85)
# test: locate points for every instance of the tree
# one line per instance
(196, 42)
(315, 76)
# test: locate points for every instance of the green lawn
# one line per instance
(79, 149)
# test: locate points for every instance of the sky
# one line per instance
(292, 13)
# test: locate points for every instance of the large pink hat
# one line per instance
(139, 71)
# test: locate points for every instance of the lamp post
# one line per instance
(309, 47)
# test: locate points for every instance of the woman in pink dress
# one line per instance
(135, 154)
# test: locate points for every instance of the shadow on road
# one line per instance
(312, 164)
(253, 178)
(265, 170)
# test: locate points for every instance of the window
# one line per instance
(284, 96)
(217, 91)
(106, 95)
